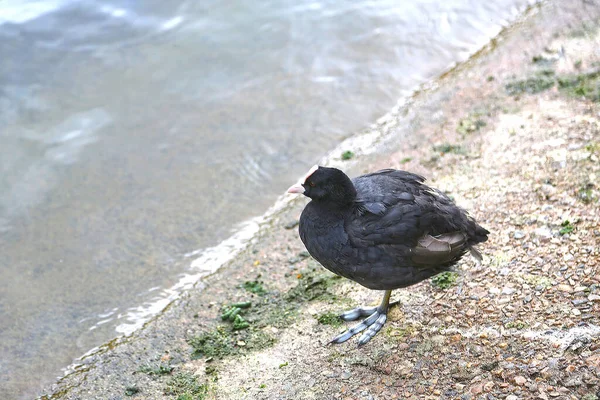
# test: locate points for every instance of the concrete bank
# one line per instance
(514, 136)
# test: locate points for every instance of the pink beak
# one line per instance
(297, 188)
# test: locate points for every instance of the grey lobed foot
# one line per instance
(370, 325)
(356, 313)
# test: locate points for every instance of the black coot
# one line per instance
(385, 230)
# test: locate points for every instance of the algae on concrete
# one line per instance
(566, 227)
(186, 386)
(330, 318)
(312, 286)
(157, 369)
(255, 287)
(347, 155)
(532, 85)
(449, 148)
(444, 280)
(586, 85)
(470, 124)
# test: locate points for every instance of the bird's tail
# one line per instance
(476, 254)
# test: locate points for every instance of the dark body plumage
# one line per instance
(384, 230)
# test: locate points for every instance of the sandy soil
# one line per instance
(523, 324)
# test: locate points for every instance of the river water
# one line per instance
(135, 134)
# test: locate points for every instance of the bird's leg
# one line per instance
(376, 318)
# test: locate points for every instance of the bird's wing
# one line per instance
(379, 191)
(439, 250)
(398, 214)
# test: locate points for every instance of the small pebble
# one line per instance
(328, 373)
(477, 389)
(494, 290)
(570, 368)
(565, 288)
(520, 380)
(508, 366)
(544, 234)
(291, 224)
(508, 291)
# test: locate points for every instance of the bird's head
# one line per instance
(326, 185)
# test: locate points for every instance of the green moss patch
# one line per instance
(582, 85)
(516, 325)
(586, 30)
(587, 194)
(312, 286)
(131, 390)
(470, 124)
(259, 318)
(245, 333)
(347, 155)
(402, 331)
(221, 342)
(157, 369)
(566, 227)
(330, 318)
(185, 386)
(449, 148)
(593, 147)
(541, 282)
(255, 287)
(444, 280)
(216, 343)
(589, 396)
(543, 60)
(535, 84)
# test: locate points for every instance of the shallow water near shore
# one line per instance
(144, 134)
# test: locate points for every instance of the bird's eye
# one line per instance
(311, 184)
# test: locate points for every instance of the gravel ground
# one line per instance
(513, 136)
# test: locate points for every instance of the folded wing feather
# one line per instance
(439, 250)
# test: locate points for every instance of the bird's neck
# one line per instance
(333, 208)
(342, 196)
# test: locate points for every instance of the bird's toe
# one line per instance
(356, 313)
(372, 329)
(372, 325)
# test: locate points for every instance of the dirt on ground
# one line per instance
(513, 135)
